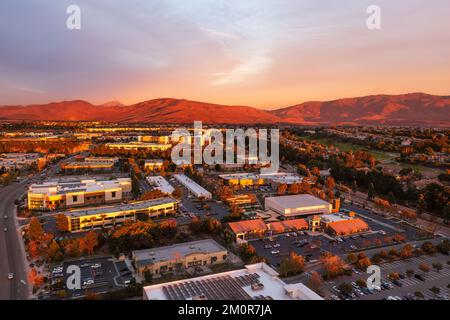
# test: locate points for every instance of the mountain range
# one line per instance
(415, 109)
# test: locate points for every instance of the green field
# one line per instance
(346, 146)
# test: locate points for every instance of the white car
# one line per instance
(276, 245)
(275, 251)
(5, 229)
(10, 276)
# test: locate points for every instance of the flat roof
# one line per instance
(232, 285)
(54, 187)
(297, 201)
(175, 251)
(139, 205)
(161, 184)
(193, 186)
(276, 177)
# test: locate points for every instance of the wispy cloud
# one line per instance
(242, 72)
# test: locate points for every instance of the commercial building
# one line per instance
(287, 226)
(255, 179)
(297, 205)
(163, 139)
(179, 257)
(193, 187)
(153, 164)
(245, 230)
(102, 159)
(11, 161)
(55, 194)
(139, 146)
(342, 224)
(254, 282)
(88, 166)
(161, 184)
(82, 220)
(242, 231)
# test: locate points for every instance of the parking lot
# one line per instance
(312, 246)
(406, 286)
(191, 207)
(98, 275)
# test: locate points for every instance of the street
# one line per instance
(12, 256)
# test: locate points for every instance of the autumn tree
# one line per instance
(35, 229)
(333, 265)
(282, 188)
(292, 265)
(316, 281)
(62, 223)
(34, 278)
(407, 251)
(424, 267)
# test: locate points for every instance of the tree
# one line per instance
(333, 265)
(363, 263)
(437, 266)
(35, 229)
(394, 276)
(444, 247)
(90, 242)
(419, 294)
(34, 278)
(407, 251)
(54, 252)
(361, 283)
(62, 223)
(282, 188)
(292, 265)
(424, 267)
(345, 288)
(330, 184)
(435, 290)
(429, 248)
(410, 273)
(315, 282)
(352, 258)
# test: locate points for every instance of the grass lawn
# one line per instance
(345, 147)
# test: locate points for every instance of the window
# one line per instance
(74, 198)
(113, 194)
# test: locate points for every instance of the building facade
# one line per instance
(105, 217)
(179, 257)
(55, 195)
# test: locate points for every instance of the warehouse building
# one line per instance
(297, 206)
(179, 257)
(193, 187)
(161, 184)
(91, 218)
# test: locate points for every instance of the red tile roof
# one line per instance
(247, 226)
(348, 226)
(283, 226)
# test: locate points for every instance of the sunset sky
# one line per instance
(263, 53)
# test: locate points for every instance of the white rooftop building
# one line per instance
(193, 186)
(161, 184)
(254, 282)
(297, 205)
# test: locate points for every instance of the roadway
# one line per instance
(12, 256)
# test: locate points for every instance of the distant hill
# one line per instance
(408, 109)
